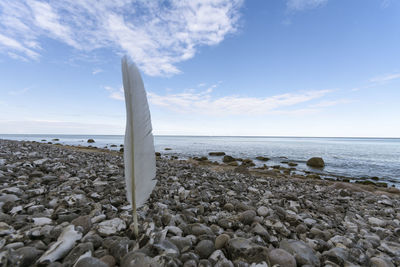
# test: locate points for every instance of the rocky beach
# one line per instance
(66, 206)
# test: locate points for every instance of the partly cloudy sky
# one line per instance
(214, 67)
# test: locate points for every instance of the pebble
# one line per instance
(281, 257)
(61, 209)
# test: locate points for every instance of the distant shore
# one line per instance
(201, 213)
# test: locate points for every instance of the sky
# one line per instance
(249, 68)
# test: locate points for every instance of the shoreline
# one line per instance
(359, 169)
(199, 214)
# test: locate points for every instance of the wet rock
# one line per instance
(316, 162)
(301, 251)
(204, 248)
(216, 153)
(90, 141)
(227, 159)
(281, 257)
(262, 158)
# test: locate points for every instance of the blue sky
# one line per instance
(282, 67)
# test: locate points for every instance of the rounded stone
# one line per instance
(281, 257)
(316, 162)
(221, 240)
(262, 211)
(229, 207)
(205, 248)
(247, 217)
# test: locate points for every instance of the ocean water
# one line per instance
(351, 157)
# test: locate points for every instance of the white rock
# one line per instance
(376, 222)
(65, 242)
(98, 218)
(40, 161)
(111, 227)
(41, 221)
(2, 162)
(15, 210)
(262, 211)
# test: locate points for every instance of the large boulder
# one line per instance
(316, 162)
(90, 140)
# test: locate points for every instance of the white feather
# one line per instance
(139, 156)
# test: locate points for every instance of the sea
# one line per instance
(358, 158)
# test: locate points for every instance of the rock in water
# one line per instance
(316, 162)
(90, 141)
(64, 244)
(228, 159)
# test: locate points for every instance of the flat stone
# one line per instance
(83, 221)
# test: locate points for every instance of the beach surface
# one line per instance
(66, 206)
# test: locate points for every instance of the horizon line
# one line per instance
(189, 135)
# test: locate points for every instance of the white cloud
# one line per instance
(203, 103)
(385, 78)
(299, 5)
(330, 103)
(157, 35)
(96, 71)
(117, 94)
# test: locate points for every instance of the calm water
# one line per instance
(355, 157)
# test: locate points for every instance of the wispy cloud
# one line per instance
(114, 93)
(385, 78)
(157, 35)
(96, 71)
(19, 92)
(203, 103)
(330, 103)
(299, 5)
